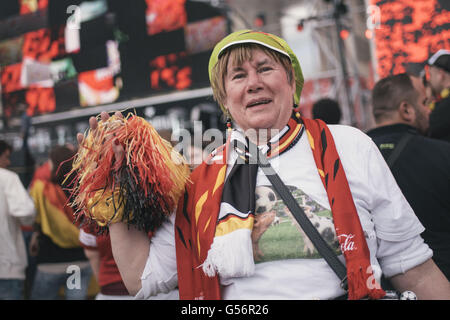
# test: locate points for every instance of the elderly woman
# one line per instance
(223, 242)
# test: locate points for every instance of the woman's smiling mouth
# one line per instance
(257, 102)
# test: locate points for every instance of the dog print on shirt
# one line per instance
(277, 235)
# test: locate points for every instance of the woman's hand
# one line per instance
(119, 151)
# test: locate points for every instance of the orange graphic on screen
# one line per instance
(10, 78)
(167, 73)
(29, 6)
(40, 101)
(409, 32)
(163, 15)
(13, 103)
(38, 45)
(97, 87)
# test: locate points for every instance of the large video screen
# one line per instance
(59, 55)
(409, 32)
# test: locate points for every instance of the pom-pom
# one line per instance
(142, 188)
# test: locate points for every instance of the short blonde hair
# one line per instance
(239, 54)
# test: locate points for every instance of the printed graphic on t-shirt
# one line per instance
(277, 235)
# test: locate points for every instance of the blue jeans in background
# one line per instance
(11, 289)
(46, 285)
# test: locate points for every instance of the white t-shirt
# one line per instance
(287, 266)
(16, 209)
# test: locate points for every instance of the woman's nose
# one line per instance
(253, 82)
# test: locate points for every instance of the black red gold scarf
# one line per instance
(231, 253)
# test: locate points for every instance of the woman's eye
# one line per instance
(264, 69)
(238, 76)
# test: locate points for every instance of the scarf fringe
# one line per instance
(231, 255)
(358, 287)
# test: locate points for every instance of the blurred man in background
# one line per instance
(439, 81)
(16, 209)
(420, 165)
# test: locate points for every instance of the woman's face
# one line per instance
(258, 93)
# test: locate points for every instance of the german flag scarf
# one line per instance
(203, 217)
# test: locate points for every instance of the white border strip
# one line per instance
(257, 42)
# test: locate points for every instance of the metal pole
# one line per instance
(341, 49)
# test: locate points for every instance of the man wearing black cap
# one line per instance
(439, 80)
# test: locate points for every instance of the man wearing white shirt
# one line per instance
(16, 209)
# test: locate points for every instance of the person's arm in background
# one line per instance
(19, 201)
(33, 249)
(89, 243)
(94, 260)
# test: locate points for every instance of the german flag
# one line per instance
(54, 215)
